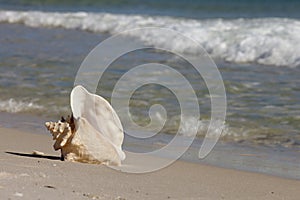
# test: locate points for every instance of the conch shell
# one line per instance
(93, 134)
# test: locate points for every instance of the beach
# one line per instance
(23, 176)
(174, 71)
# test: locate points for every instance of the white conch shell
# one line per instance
(93, 134)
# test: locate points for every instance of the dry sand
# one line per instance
(46, 177)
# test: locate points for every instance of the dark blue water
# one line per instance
(189, 8)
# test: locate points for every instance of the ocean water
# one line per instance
(255, 44)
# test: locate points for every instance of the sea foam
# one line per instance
(14, 106)
(266, 41)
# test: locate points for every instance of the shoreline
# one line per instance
(47, 177)
(282, 163)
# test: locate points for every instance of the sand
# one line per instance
(23, 176)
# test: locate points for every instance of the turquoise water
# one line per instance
(38, 68)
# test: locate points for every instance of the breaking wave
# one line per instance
(267, 41)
